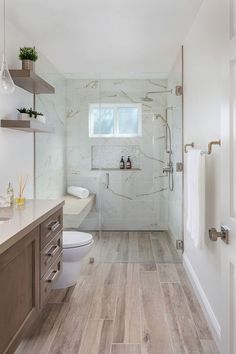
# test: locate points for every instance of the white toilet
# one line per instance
(76, 245)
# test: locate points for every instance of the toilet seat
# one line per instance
(74, 239)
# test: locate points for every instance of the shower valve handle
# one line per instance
(168, 169)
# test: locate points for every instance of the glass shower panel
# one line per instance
(50, 148)
(96, 121)
(133, 199)
(175, 121)
(83, 95)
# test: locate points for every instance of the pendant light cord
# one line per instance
(4, 29)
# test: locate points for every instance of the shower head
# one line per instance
(158, 115)
(146, 98)
(149, 99)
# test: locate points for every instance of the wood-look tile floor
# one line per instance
(134, 299)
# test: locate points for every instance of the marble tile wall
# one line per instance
(135, 200)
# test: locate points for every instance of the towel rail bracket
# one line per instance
(217, 142)
(209, 150)
(188, 145)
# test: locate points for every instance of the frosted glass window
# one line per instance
(128, 120)
(115, 120)
(103, 120)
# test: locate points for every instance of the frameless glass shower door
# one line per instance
(121, 138)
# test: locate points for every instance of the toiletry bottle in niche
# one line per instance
(122, 163)
(10, 193)
(128, 163)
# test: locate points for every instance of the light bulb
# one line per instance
(7, 85)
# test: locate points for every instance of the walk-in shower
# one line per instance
(106, 118)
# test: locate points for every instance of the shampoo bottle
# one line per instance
(128, 163)
(122, 163)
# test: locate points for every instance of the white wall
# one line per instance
(202, 52)
(16, 147)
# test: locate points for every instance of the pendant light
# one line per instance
(7, 85)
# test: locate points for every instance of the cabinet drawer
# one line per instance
(50, 227)
(50, 253)
(48, 279)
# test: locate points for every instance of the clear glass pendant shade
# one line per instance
(7, 85)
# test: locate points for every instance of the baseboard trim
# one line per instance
(203, 300)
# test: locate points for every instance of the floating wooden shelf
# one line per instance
(29, 81)
(26, 125)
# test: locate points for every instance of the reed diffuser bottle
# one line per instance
(20, 200)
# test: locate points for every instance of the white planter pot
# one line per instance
(41, 119)
(23, 116)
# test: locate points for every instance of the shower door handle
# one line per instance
(107, 180)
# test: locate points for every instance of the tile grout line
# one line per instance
(186, 303)
(154, 257)
(150, 238)
(88, 315)
(113, 324)
(140, 310)
(166, 319)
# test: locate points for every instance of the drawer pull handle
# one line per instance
(52, 276)
(53, 250)
(54, 225)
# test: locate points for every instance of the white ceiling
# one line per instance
(106, 36)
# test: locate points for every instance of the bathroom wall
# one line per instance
(16, 147)
(202, 53)
(175, 120)
(136, 200)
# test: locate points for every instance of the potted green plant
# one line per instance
(28, 56)
(26, 114)
(23, 114)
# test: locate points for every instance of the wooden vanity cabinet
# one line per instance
(27, 272)
(50, 253)
(19, 290)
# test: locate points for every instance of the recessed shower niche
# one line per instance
(107, 157)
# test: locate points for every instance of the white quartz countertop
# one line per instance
(17, 221)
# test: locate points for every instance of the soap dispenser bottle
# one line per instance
(122, 163)
(128, 163)
(10, 193)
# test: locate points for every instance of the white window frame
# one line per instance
(115, 106)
